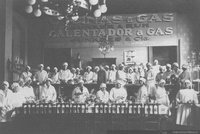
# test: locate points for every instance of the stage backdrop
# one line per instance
(156, 29)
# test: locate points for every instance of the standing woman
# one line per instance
(185, 98)
(150, 81)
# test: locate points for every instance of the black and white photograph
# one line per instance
(99, 66)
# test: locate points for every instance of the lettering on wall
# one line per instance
(142, 29)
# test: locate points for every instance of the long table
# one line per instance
(67, 89)
(65, 118)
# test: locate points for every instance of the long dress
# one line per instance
(185, 113)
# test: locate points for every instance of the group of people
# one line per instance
(152, 80)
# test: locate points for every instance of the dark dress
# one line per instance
(101, 77)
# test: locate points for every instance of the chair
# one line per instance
(152, 117)
(118, 116)
(79, 118)
(102, 118)
(135, 117)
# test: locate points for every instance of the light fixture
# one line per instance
(67, 10)
(105, 46)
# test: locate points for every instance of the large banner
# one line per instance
(156, 29)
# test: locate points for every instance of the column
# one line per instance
(6, 11)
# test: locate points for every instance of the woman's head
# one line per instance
(5, 85)
(188, 84)
(142, 81)
(102, 87)
(15, 87)
(162, 83)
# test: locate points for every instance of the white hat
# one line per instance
(188, 82)
(88, 67)
(65, 64)
(119, 82)
(102, 85)
(28, 67)
(15, 84)
(175, 64)
(96, 67)
(55, 68)
(6, 83)
(48, 79)
(168, 65)
(40, 65)
(106, 66)
(48, 68)
(113, 65)
(80, 81)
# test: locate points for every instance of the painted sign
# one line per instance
(157, 29)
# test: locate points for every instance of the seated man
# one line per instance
(80, 92)
(142, 92)
(102, 94)
(118, 93)
(48, 92)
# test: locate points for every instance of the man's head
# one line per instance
(119, 83)
(48, 82)
(103, 87)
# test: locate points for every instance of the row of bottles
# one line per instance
(62, 108)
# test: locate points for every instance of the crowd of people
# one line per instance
(151, 78)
